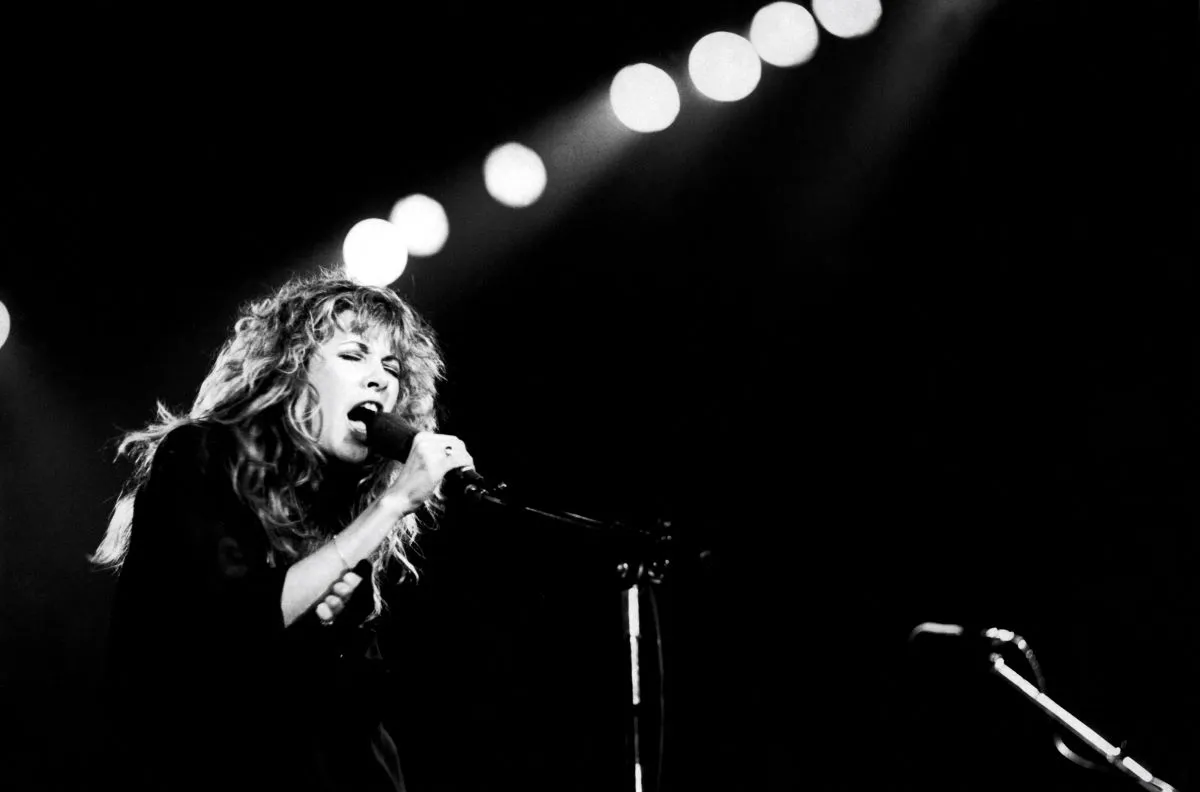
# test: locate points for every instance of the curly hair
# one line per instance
(258, 387)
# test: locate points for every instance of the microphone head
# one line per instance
(391, 437)
(387, 435)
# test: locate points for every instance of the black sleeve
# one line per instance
(215, 690)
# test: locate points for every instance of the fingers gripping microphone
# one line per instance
(391, 437)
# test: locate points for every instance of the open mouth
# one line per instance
(358, 416)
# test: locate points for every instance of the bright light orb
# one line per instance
(424, 223)
(5, 324)
(375, 252)
(514, 175)
(784, 34)
(848, 18)
(644, 98)
(724, 66)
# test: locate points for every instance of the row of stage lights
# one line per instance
(723, 66)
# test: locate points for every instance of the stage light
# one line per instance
(644, 98)
(514, 175)
(424, 223)
(784, 34)
(724, 66)
(5, 323)
(375, 252)
(848, 18)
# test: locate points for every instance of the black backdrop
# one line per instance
(904, 336)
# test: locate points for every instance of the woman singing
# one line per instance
(251, 543)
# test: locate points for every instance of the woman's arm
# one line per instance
(311, 579)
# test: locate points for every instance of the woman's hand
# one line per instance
(339, 594)
(431, 457)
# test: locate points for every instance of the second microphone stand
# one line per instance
(1115, 755)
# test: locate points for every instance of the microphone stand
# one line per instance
(1112, 753)
(648, 560)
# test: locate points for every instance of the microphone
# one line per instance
(972, 645)
(391, 437)
(993, 635)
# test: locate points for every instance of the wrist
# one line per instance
(346, 565)
(396, 504)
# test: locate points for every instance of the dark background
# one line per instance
(906, 335)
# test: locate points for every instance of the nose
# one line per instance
(377, 376)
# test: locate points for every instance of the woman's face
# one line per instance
(348, 370)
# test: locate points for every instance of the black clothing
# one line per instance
(216, 692)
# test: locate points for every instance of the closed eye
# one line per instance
(354, 356)
(357, 351)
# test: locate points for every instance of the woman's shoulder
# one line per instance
(190, 481)
(195, 447)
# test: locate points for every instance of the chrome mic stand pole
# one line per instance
(631, 604)
(648, 567)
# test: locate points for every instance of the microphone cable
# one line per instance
(662, 700)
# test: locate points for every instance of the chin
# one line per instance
(345, 450)
(354, 454)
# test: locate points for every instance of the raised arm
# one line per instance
(310, 581)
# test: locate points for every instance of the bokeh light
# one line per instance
(848, 18)
(375, 252)
(514, 175)
(423, 222)
(784, 34)
(5, 324)
(724, 66)
(644, 98)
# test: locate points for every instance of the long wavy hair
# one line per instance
(259, 388)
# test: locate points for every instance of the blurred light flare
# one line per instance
(423, 222)
(724, 66)
(375, 252)
(848, 18)
(5, 324)
(644, 98)
(514, 175)
(784, 34)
